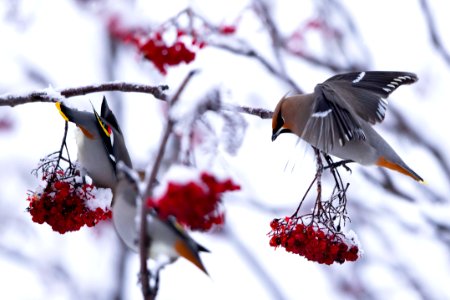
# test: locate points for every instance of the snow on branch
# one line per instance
(52, 95)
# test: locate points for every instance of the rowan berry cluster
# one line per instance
(63, 203)
(165, 52)
(196, 204)
(313, 241)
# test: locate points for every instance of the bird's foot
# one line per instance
(333, 165)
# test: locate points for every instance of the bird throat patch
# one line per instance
(86, 132)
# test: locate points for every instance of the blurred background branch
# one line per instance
(274, 48)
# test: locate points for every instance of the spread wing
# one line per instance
(366, 92)
(345, 100)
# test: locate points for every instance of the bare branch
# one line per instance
(403, 126)
(51, 96)
(120, 273)
(265, 277)
(263, 10)
(435, 38)
(259, 112)
(156, 91)
(144, 240)
(253, 54)
(387, 184)
(321, 63)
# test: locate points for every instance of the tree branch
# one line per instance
(49, 95)
(156, 91)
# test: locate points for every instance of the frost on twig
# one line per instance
(52, 95)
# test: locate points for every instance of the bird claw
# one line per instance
(333, 165)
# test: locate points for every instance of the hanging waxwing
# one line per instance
(167, 237)
(100, 142)
(338, 117)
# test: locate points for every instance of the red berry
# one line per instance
(227, 29)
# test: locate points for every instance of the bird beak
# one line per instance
(275, 135)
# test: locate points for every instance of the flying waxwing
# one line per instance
(100, 142)
(167, 237)
(338, 117)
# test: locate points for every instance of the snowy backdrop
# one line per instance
(250, 53)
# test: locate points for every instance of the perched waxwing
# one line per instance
(100, 143)
(338, 117)
(167, 237)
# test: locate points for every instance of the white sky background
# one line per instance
(66, 43)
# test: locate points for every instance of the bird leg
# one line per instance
(333, 165)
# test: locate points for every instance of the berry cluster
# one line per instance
(63, 204)
(195, 204)
(316, 244)
(154, 46)
(156, 49)
(162, 55)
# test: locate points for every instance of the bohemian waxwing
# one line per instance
(100, 143)
(337, 118)
(167, 237)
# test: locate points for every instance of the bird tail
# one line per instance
(190, 254)
(74, 116)
(64, 111)
(402, 168)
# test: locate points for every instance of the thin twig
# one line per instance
(120, 273)
(253, 54)
(435, 38)
(387, 184)
(295, 214)
(259, 112)
(263, 11)
(319, 170)
(63, 144)
(144, 241)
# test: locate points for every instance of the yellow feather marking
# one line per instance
(58, 106)
(102, 125)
